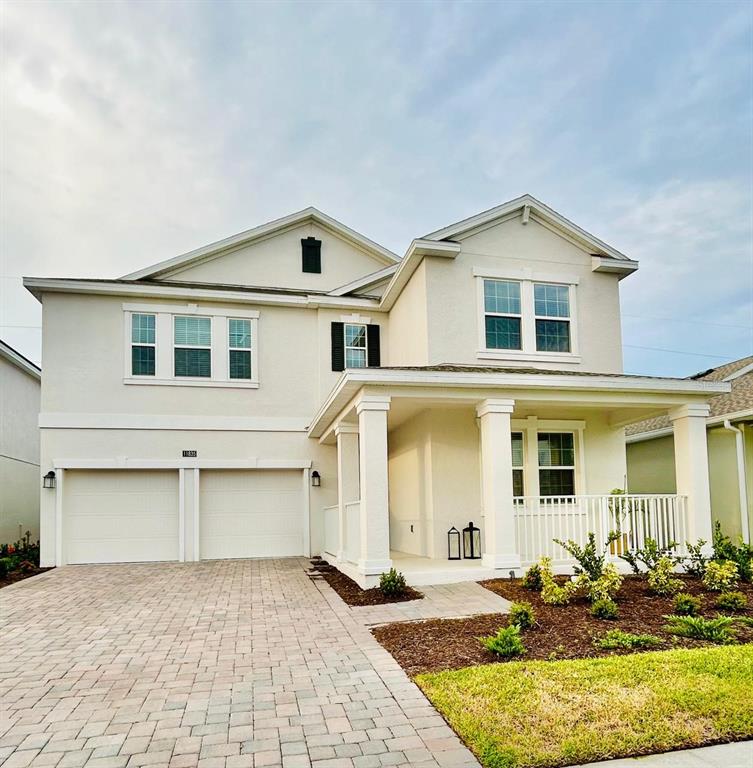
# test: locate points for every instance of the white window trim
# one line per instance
(164, 373)
(132, 344)
(364, 348)
(527, 319)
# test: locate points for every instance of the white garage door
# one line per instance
(250, 513)
(120, 516)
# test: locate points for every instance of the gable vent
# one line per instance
(311, 251)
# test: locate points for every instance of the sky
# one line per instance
(132, 132)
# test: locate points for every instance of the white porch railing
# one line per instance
(541, 519)
(331, 534)
(352, 529)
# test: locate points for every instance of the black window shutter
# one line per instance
(372, 337)
(338, 346)
(311, 254)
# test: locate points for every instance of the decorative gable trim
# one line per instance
(234, 242)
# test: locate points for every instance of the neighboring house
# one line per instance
(19, 445)
(298, 389)
(730, 445)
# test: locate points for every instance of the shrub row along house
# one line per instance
(300, 389)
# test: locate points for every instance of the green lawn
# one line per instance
(554, 713)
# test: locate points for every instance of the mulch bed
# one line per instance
(19, 575)
(352, 594)
(562, 632)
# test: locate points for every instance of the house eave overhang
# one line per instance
(712, 421)
(16, 358)
(37, 286)
(233, 242)
(365, 282)
(352, 381)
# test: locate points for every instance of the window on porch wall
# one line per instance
(518, 486)
(556, 452)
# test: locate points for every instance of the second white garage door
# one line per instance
(250, 513)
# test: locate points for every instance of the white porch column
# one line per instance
(692, 466)
(500, 545)
(348, 483)
(374, 513)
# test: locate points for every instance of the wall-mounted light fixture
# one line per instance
(48, 481)
(316, 479)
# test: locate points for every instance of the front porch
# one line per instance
(527, 465)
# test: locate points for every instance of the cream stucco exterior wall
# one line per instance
(19, 453)
(410, 320)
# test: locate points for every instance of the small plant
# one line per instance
(589, 560)
(686, 605)
(746, 621)
(553, 593)
(649, 555)
(606, 586)
(616, 639)
(740, 554)
(660, 579)
(732, 601)
(4, 566)
(505, 643)
(720, 576)
(532, 578)
(392, 584)
(522, 615)
(716, 630)
(604, 609)
(695, 563)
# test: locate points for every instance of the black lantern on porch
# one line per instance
(48, 481)
(453, 544)
(472, 542)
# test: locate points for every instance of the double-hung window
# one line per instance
(142, 345)
(355, 346)
(193, 346)
(502, 314)
(556, 452)
(239, 343)
(552, 315)
(518, 486)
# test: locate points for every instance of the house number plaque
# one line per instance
(189, 454)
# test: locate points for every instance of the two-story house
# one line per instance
(299, 389)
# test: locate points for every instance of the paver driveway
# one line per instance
(224, 663)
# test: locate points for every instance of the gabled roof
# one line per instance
(265, 230)
(16, 358)
(364, 282)
(736, 404)
(531, 207)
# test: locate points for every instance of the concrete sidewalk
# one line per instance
(738, 755)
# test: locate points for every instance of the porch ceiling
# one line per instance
(547, 394)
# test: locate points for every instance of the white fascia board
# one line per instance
(352, 380)
(264, 230)
(533, 205)
(712, 421)
(415, 253)
(740, 372)
(622, 267)
(17, 359)
(38, 285)
(364, 282)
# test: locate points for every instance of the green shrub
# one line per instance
(589, 560)
(716, 630)
(532, 578)
(616, 639)
(649, 555)
(660, 579)
(505, 643)
(5, 566)
(606, 586)
(746, 621)
(720, 576)
(553, 593)
(392, 584)
(604, 609)
(740, 554)
(732, 601)
(686, 605)
(695, 562)
(522, 615)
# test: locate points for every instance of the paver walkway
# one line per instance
(214, 664)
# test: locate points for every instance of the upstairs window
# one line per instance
(356, 346)
(142, 345)
(311, 255)
(193, 346)
(502, 315)
(552, 314)
(518, 486)
(556, 452)
(239, 343)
